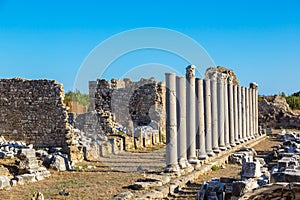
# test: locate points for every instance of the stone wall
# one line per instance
(33, 111)
(130, 104)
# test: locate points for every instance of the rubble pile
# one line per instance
(288, 153)
(275, 112)
(281, 181)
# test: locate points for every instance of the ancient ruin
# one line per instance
(207, 118)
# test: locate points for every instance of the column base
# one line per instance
(223, 148)
(210, 153)
(202, 156)
(249, 138)
(252, 137)
(216, 150)
(183, 163)
(194, 161)
(237, 142)
(228, 146)
(242, 141)
(233, 145)
(172, 168)
(246, 139)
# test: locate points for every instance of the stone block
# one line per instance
(4, 182)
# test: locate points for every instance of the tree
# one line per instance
(77, 96)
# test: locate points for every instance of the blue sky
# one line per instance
(259, 40)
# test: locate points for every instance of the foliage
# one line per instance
(77, 96)
(260, 98)
(215, 167)
(294, 102)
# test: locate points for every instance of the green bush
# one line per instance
(215, 167)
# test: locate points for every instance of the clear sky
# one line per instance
(259, 40)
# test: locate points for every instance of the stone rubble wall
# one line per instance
(130, 104)
(33, 111)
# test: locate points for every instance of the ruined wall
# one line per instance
(126, 102)
(33, 111)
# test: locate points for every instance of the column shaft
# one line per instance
(208, 133)
(221, 109)
(191, 114)
(231, 113)
(181, 121)
(240, 114)
(236, 115)
(247, 114)
(226, 112)
(200, 118)
(214, 112)
(171, 126)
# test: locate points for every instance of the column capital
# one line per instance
(222, 77)
(190, 71)
(213, 75)
(253, 85)
(230, 79)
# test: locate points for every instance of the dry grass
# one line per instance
(98, 183)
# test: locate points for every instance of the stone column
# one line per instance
(200, 118)
(244, 118)
(256, 109)
(181, 121)
(251, 112)
(221, 121)
(254, 87)
(236, 115)
(226, 112)
(247, 114)
(191, 114)
(231, 111)
(240, 114)
(208, 133)
(214, 111)
(171, 149)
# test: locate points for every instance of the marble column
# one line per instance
(214, 111)
(171, 125)
(191, 114)
(244, 118)
(200, 118)
(251, 112)
(208, 133)
(226, 114)
(256, 109)
(247, 114)
(240, 114)
(254, 87)
(181, 121)
(236, 115)
(221, 120)
(231, 111)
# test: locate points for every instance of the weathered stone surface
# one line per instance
(38, 196)
(124, 196)
(59, 163)
(275, 112)
(33, 111)
(124, 102)
(250, 168)
(4, 182)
